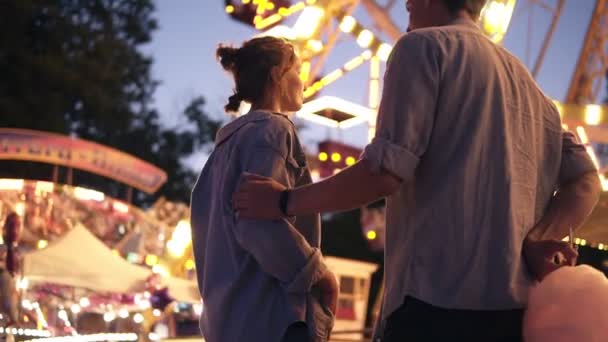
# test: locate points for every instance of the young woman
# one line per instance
(260, 280)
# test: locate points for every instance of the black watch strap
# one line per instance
(283, 200)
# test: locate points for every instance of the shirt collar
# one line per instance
(258, 115)
(465, 22)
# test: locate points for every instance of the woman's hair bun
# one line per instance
(234, 103)
(228, 57)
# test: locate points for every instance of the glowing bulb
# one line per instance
(11, 184)
(109, 316)
(350, 161)
(42, 244)
(180, 239)
(560, 108)
(84, 302)
(75, 308)
(160, 270)
(26, 304)
(142, 302)
(229, 9)
(336, 157)
(495, 18)
(315, 45)
(308, 22)
(123, 313)
(315, 175)
(593, 114)
(23, 283)
(198, 308)
(138, 318)
(62, 314)
(151, 259)
(582, 134)
(323, 156)
(120, 207)
(20, 208)
(365, 38)
(371, 235)
(347, 24)
(88, 194)
(384, 51)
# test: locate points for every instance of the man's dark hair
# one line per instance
(474, 7)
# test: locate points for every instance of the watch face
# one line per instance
(283, 200)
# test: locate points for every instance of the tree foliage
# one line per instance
(76, 67)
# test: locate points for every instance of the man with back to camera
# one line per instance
(481, 182)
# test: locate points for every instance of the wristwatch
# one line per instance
(283, 200)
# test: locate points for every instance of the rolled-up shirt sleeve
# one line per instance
(575, 160)
(276, 245)
(407, 109)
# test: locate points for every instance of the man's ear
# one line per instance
(275, 75)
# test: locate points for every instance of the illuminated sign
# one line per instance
(21, 144)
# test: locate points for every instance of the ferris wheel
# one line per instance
(316, 27)
(319, 25)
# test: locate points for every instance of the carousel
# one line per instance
(79, 265)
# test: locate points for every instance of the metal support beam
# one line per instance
(557, 12)
(592, 63)
(382, 19)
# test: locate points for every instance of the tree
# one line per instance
(75, 67)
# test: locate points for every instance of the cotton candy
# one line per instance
(571, 304)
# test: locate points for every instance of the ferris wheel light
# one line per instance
(348, 24)
(496, 17)
(384, 51)
(593, 114)
(593, 156)
(560, 108)
(582, 134)
(315, 45)
(309, 21)
(279, 31)
(604, 183)
(305, 71)
(331, 77)
(353, 63)
(365, 38)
